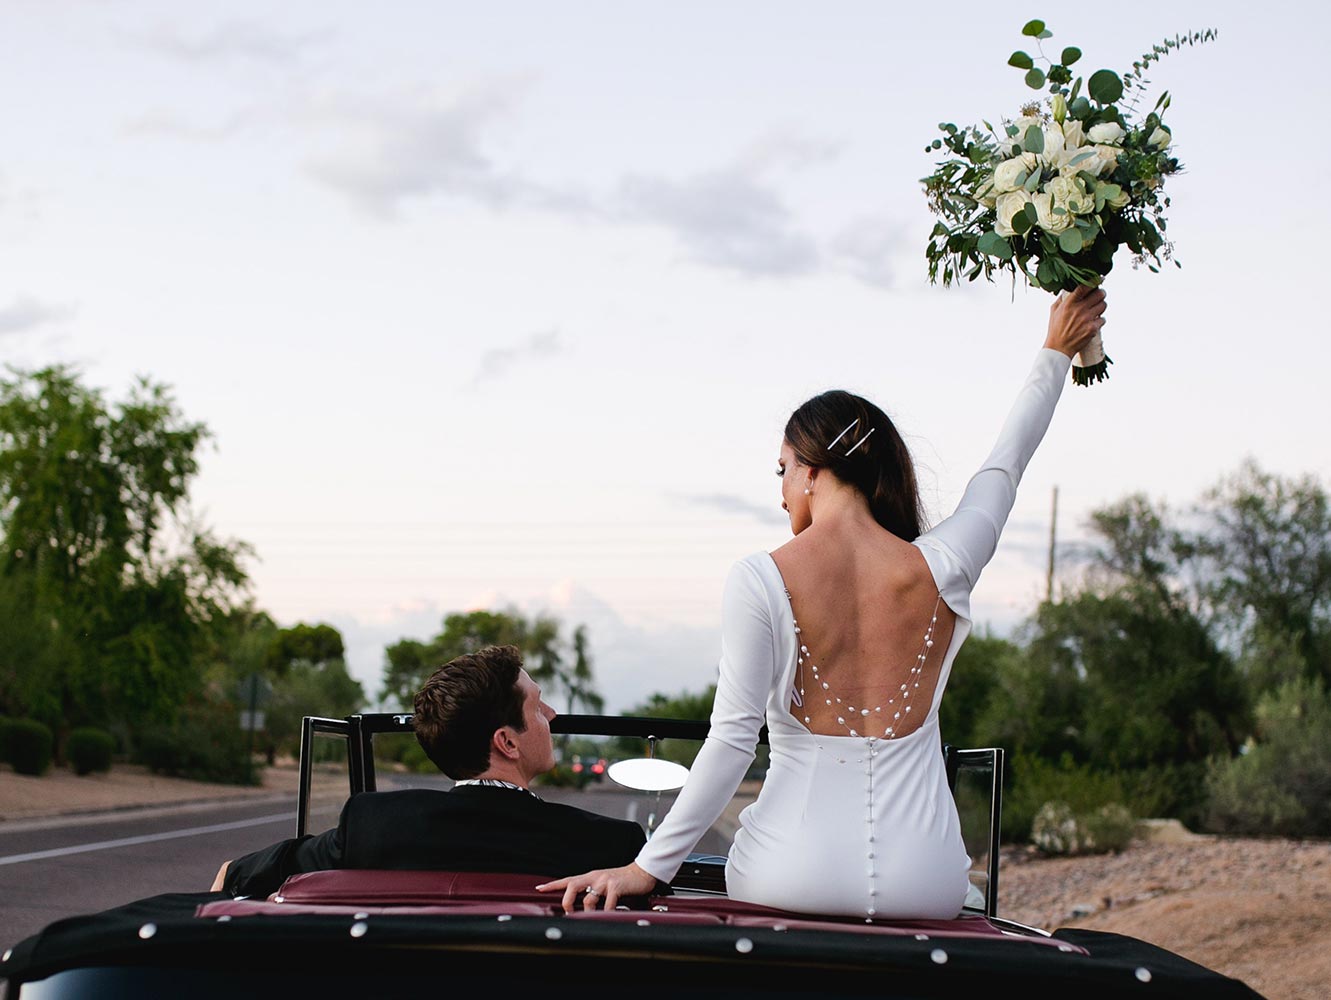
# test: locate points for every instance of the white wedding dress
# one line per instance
(844, 825)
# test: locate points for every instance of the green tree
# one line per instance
(119, 587)
(306, 675)
(410, 662)
(1268, 542)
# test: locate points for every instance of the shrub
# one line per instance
(1281, 783)
(4, 738)
(30, 743)
(90, 749)
(1057, 829)
(204, 743)
(1035, 782)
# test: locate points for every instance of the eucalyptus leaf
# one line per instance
(1021, 223)
(1020, 60)
(1078, 107)
(1032, 183)
(1035, 78)
(1069, 240)
(1031, 214)
(1033, 28)
(1105, 86)
(1070, 55)
(1033, 141)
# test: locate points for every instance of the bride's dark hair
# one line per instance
(880, 468)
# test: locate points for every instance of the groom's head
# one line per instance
(480, 714)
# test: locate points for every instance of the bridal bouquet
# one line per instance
(1053, 192)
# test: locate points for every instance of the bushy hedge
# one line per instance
(1281, 784)
(90, 750)
(204, 743)
(29, 746)
(1032, 782)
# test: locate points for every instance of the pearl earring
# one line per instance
(807, 491)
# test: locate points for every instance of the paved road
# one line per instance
(59, 868)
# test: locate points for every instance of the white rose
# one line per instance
(1118, 200)
(1023, 123)
(1007, 172)
(1073, 135)
(1160, 138)
(1009, 204)
(1106, 132)
(1048, 220)
(1108, 160)
(1070, 193)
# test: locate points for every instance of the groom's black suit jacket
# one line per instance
(468, 828)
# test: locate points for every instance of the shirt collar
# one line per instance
(494, 783)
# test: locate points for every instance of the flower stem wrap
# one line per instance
(1091, 364)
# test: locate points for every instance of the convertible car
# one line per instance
(389, 934)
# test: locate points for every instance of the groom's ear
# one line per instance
(504, 742)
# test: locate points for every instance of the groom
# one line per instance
(481, 720)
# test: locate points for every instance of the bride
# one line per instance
(842, 640)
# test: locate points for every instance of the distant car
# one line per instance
(591, 769)
(390, 934)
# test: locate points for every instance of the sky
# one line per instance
(506, 304)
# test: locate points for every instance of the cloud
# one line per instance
(235, 40)
(161, 122)
(27, 313)
(389, 151)
(725, 218)
(495, 362)
(729, 504)
(870, 248)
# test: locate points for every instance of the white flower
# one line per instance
(1106, 132)
(1049, 220)
(1070, 193)
(1022, 124)
(1108, 160)
(1009, 204)
(1007, 172)
(1119, 199)
(1073, 135)
(1160, 138)
(985, 193)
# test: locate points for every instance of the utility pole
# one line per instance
(1053, 522)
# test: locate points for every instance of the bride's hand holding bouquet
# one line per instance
(1053, 192)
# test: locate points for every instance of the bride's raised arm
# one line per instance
(971, 534)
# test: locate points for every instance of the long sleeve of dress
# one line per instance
(747, 668)
(970, 536)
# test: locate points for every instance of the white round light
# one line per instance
(648, 774)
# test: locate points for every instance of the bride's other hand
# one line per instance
(1074, 319)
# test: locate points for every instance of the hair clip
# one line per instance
(847, 431)
(863, 439)
(843, 433)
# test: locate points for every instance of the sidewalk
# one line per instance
(60, 792)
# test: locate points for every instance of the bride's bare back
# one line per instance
(864, 601)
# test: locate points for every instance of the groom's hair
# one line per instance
(459, 708)
(866, 452)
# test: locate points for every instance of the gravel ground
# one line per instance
(1252, 909)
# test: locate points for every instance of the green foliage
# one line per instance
(4, 738)
(1033, 781)
(980, 667)
(1059, 830)
(410, 662)
(90, 750)
(1155, 686)
(203, 743)
(1266, 543)
(696, 707)
(304, 643)
(322, 689)
(1281, 784)
(104, 620)
(30, 744)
